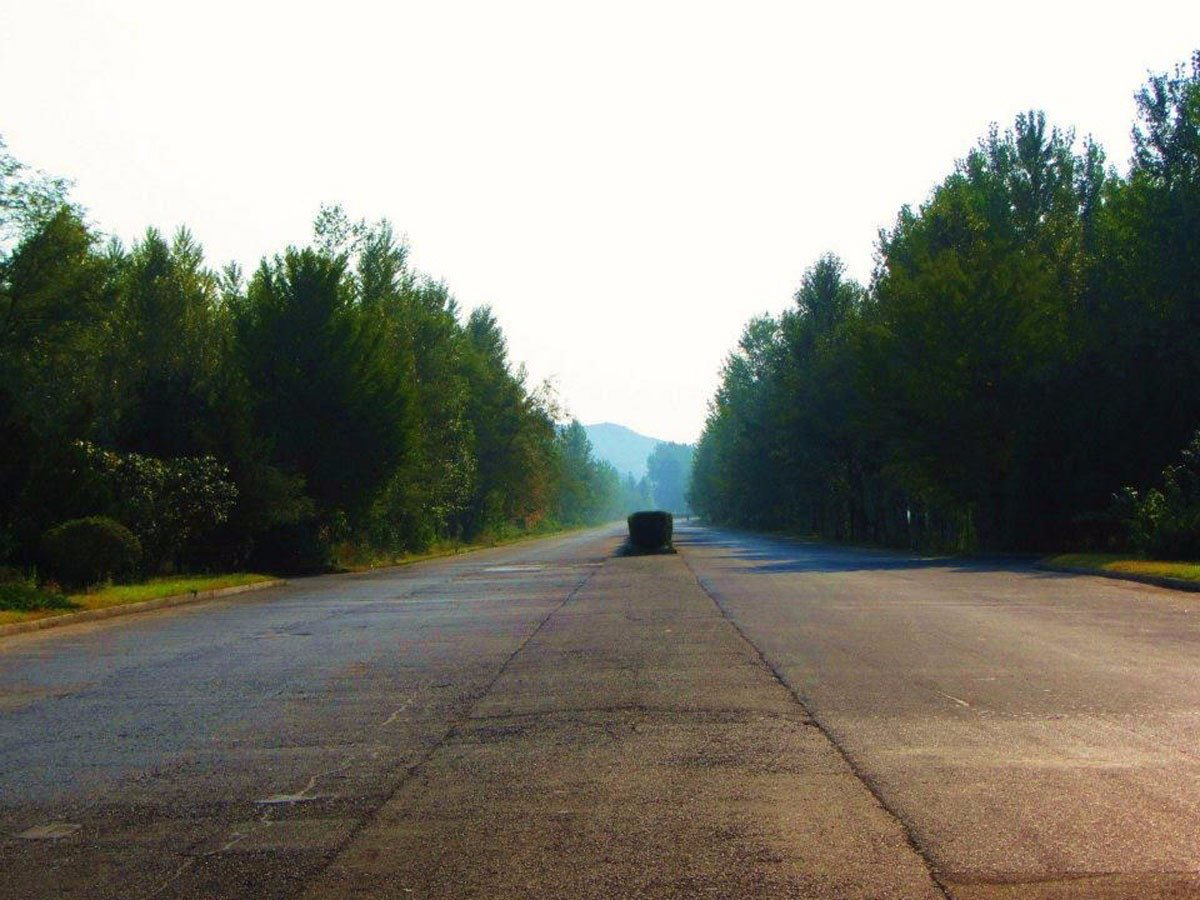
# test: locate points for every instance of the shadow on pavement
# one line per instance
(775, 555)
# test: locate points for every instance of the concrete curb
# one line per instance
(110, 612)
(1163, 581)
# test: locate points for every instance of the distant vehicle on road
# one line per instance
(651, 529)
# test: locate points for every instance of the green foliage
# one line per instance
(589, 490)
(514, 435)
(333, 404)
(336, 403)
(87, 552)
(1029, 342)
(26, 595)
(173, 504)
(636, 493)
(651, 529)
(1164, 523)
(27, 198)
(670, 469)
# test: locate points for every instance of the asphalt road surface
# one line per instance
(750, 717)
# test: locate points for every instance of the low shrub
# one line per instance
(176, 506)
(650, 529)
(24, 595)
(1164, 523)
(294, 548)
(86, 552)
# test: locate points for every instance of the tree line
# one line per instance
(332, 403)
(1021, 371)
(669, 470)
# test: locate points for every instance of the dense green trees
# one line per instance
(1165, 521)
(334, 403)
(590, 490)
(669, 470)
(1028, 345)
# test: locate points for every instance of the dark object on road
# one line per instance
(651, 529)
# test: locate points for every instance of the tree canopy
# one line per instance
(669, 470)
(334, 403)
(1028, 344)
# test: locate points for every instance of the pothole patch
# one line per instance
(52, 831)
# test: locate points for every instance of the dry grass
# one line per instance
(1109, 562)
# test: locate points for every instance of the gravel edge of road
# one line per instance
(126, 609)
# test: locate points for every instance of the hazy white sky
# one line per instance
(625, 183)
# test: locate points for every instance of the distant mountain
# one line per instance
(623, 447)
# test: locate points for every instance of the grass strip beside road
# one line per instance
(351, 560)
(122, 594)
(1126, 565)
(24, 595)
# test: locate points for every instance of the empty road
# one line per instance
(749, 717)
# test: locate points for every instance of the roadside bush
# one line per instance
(86, 552)
(24, 595)
(177, 504)
(650, 529)
(1165, 523)
(294, 548)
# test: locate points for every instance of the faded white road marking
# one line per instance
(293, 798)
(303, 795)
(49, 832)
(950, 697)
(392, 718)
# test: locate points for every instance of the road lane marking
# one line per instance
(52, 831)
(301, 797)
(953, 698)
(392, 718)
(885, 804)
(455, 727)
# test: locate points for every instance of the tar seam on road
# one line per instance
(909, 834)
(446, 737)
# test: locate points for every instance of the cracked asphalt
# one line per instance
(750, 717)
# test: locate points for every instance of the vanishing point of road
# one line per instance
(749, 717)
